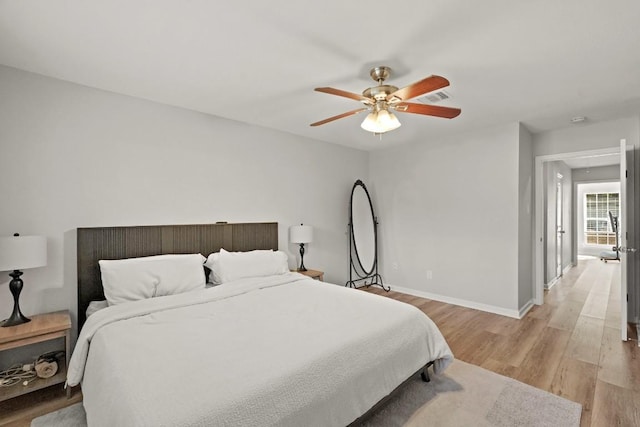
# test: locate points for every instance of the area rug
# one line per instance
(464, 395)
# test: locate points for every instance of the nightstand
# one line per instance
(43, 327)
(314, 274)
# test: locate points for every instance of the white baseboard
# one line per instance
(555, 279)
(516, 314)
(524, 310)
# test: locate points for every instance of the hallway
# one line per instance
(586, 301)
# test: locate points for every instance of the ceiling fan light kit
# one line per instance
(382, 99)
(380, 122)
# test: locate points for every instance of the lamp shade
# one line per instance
(301, 234)
(370, 123)
(22, 252)
(388, 120)
(380, 122)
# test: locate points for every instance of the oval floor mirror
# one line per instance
(363, 240)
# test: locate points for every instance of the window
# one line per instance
(597, 227)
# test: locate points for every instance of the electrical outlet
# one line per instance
(429, 274)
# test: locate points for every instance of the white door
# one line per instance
(622, 229)
(559, 229)
(624, 248)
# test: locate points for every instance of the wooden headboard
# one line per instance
(99, 243)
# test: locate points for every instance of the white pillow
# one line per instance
(228, 266)
(140, 278)
(95, 306)
(213, 264)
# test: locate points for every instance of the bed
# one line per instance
(280, 350)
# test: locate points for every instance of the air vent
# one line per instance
(434, 97)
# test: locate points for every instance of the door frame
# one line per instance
(559, 224)
(538, 250)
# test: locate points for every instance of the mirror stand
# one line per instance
(363, 240)
(372, 279)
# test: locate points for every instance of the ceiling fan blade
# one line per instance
(339, 116)
(344, 93)
(428, 110)
(419, 88)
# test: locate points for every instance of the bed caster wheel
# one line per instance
(425, 376)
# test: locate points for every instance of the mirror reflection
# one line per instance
(363, 229)
(363, 240)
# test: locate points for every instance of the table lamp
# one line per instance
(301, 234)
(20, 252)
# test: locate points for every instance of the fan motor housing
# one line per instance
(379, 92)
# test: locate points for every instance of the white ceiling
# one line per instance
(538, 62)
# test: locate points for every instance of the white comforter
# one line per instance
(283, 350)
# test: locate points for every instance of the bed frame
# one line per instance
(99, 243)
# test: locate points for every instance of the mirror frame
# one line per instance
(371, 277)
(374, 220)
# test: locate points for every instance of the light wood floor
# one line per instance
(569, 346)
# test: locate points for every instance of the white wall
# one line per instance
(586, 136)
(525, 218)
(600, 173)
(582, 189)
(73, 157)
(450, 206)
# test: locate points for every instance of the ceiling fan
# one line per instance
(381, 99)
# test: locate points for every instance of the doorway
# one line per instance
(546, 170)
(548, 259)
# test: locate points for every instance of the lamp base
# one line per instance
(302, 267)
(16, 318)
